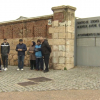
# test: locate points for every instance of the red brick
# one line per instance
(17, 30)
(25, 29)
(8, 30)
(1, 32)
(58, 16)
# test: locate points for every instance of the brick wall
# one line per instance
(59, 16)
(25, 29)
(29, 30)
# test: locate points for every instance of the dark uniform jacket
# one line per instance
(45, 47)
(23, 47)
(5, 48)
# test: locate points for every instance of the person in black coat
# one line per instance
(0, 65)
(5, 49)
(46, 50)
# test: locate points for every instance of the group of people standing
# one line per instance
(39, 54)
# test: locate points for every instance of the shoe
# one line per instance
(5, 69)
(37, 69)
(22, 69)
(18, 69)
(46, 71)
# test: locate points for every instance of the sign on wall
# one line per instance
(49, 22)
(88, 27)
(87, 48)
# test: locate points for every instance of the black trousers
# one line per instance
(46, 61)
(0, 63)
(5, 60)
(32, 63)
(39, 63)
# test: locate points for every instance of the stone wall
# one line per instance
(63, 38)
(29, 30)
(60, 35)
(13, 58)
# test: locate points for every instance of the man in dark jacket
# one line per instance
(21, 48)
(46, 50)
(5, 49)
(0, 65)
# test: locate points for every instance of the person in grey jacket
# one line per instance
(5, 49)
(32, 56)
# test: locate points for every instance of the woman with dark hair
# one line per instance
(38, 54)
(32, 56)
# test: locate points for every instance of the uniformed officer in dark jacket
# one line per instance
(5, 49)
(46, 50)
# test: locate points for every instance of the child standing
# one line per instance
(38, 54)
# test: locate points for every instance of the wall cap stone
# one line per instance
(27, 20)
(63, 7)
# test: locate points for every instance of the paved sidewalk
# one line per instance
(52, 95)
(85, 78)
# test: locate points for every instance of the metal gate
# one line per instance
(87, 42)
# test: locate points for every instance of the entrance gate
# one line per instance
(87, 42)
